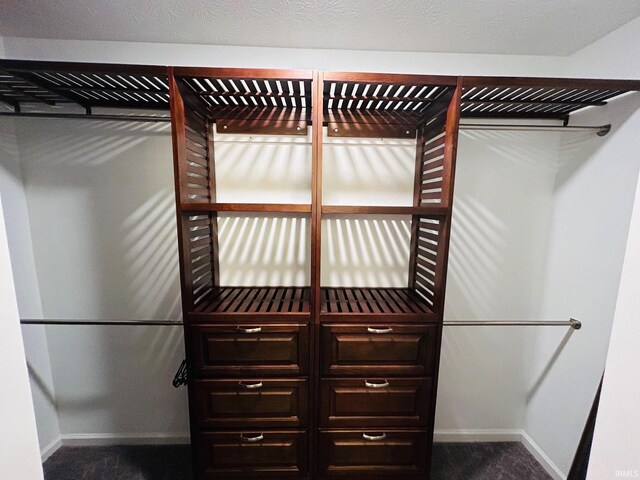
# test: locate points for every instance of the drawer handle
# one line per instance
(379, 330)
(250, 329)
(257, 438)
(250, 386)
(374, 438)
(369, 384)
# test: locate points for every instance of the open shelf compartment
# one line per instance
(232, 101)
(421, 300)
(205, 297)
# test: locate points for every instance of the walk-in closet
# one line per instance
(347, 271)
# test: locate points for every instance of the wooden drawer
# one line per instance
(388, 453)
(281, 454)
(251, 403)
(255, 350)
(375, 402)
(378, 350)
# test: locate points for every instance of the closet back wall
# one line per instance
(99, 194)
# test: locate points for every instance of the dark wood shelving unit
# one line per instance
(390, 332)
(239, 338)
(296, 381)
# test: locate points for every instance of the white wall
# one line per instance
(356, 250)
(256, 57)
(18, 438)
(613, 56)
(617, 437)
(100, 198)
(616, 440)
(27, 288)
(264, 249)
(594, 194)
(502, 206)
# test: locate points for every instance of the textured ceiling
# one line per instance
(544, 27)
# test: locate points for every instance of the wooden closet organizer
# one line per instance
(308, 382)
(339, 378)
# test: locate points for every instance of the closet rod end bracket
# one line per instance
(575, 324)
(604, 130)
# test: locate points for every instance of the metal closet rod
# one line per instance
(601, 130)
(573, 323)
(92, 116)
(163, 323)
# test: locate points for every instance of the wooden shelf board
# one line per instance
(374, 304)
(436, 210)
(246, 207)
(235, 302)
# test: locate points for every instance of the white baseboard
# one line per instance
(477, 435)
(542, 458)
(502, 435)
(50, 449)
(105, 439)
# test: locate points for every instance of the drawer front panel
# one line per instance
(375, 402)
(373, 453)
(251, 403)
(252, 454)
(378, 350)
(232, 350)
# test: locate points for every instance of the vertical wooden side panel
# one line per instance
(449, 168)
(316, 180)
(451, 147)
(415, 220)
(316, 238)
(178, 136)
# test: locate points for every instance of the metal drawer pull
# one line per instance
(376, 385)
(379, 330)
(250, 329)
(250, 386)
(374, 438)
(255, 439)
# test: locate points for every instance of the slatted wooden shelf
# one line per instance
(246, 207)
(252, 96)
(343, 303)
(382, 210)
(497, 97)
(380, 105)
(84, 84)
(292, 302)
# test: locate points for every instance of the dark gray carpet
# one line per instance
(485, 461)
(451, 461)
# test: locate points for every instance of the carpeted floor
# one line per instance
(451, 461)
